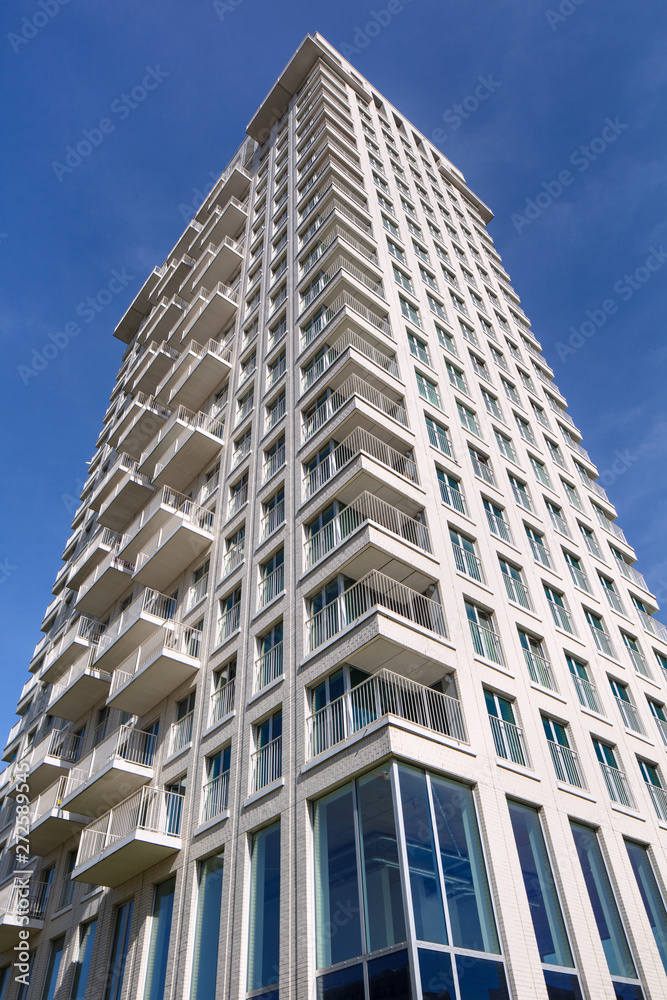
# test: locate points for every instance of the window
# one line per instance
(230, 615)
(510, 391)
(599, 633)
(640, 859)
(521, 493)
(468, 419)
(465, 558)
(482, 466)
(507, 736)
(428, 390)
(396, 251)
(419, 349)
(604, 909)
(238, 495)
(450, 492)
(658, 713)
(268, 756)
(626, 707)
(557, 519)
(234, 550)
(537, 662)
(505, 446)
(438, 436)
(635, 654)
(427, 278)
(409, 311)
(274, 458)
(587, 692)
(67, 891)
(524, 430)
(276, 369)
(514, 585)
(491, 404)
(270, 662)
(577, 572)
(273, 513)
(485, 639)
(456, 377)
(207, 928)
(264, 926)
(275, 410)
(163, 907)
(390, 226)
(538, 547)
(613, 775)
(53, 968)
(222, 699)
(113, 987)
(242, 446)
(590, 541)
(420, 252)
(216, 787)
(272, 577)
(459, 304)
(480, 367)
(540, 471)
(83, 959)
(565, 760)
(559, 612)
(496, 520)
(386, 204)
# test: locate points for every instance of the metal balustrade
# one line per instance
(366, 508)
(134, 746)
(602, 641)
(517, 591)
(215, 797)
(652, 626)
(468, 562)
(539, 669)
(372, 592)
(340, 264)
(237, 500)
(342, 301)
(509, 741)
(382, 695)
(267, 764)
(196, 593)
(273, 463)
(269, 666)
(617, 785)
(273, 519)
(659, 799)
(335, 233)
(181, 639)
(348, 339)
(540, 553)
(580, 579)
(483, 470)
(562, 617)
(275, 413)
(222, 702)
(566, 764)
(181, 733)
(229, 623)
(587, 693)
(271, 585)
(486, 642)
(88, 629)
(630, 715)
(662, 729)
(13, 900)
(356, 443)
(234, 556)
(353, 386)
(152, 810)
(499, 527)
(150, 602)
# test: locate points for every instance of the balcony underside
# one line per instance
(129, 640)
(235, 185)
(197, 450)
(205, 325)
(157, 679)
(226, 222)
(140, 433)
(156, 366)
(365, 473)
(105, 590)
(369, 547)
(126, 858)
(105, 489)
(80, 696)
(10, 926)
(219, 267)
(53, 828)
(64, 660)
(131, 495)
(191, 389)
(88, 563)
(174, 277)
(41, 775)
(185, 545)
(107, 787)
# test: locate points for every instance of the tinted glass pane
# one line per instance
(163, 905)
(468, 897)
(346, 984)
(628, 991)
(437, 978)
(86, 943)
(55, 958)
(118, 954)
(385, 922)
(424, 879)
(561, 986)
(389, 977)
(264, 942)
(480, 979)
(336, 885)
(651, 896)
(207, 931)
(538, 879)
(607, 917)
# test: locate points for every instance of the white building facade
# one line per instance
(349, 688)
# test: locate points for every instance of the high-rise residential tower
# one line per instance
(349, 689)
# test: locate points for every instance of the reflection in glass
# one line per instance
(562, 986)
(207, 930)
(385, 921)
(345, 984)
(83, 960)
(336, 879)
(422, 865)
(437, 978)
(163, 906)
(118, 953)
(389, 976)
(651, 896)
(480, 979)
(264, 930)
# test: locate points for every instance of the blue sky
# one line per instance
(557, 73)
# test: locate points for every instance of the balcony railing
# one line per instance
(234, 556)
(342, 301)
(540, 553)
(84, 628)
(662, 729)
(587, 693)
(365, 508)
(267, 764)
(269, 666)
(381, 695)
(630, 715)
(216, 797)
(509, 741)
(273, 519)
(468, 562)
(499, 527)
(348, 339)
(181, 639)
(273, 463)
(275, 413)
(655, 628)
(486, 642)
(222, 701)
(196, 593)
(602, 641)
(659, 799)
(638, 661)
(237, 500)
(617, 785)
(150, 809)
(566, 764)
(271, 585)
(562, 617)
(540, 669)
(229, 623)
(151, 602)
(517, 591)
(13, 901)
(181, 733)
(483, 470)
(353, 386)
(374, 591)
(357, 442)
(340, 264)
(336, 232)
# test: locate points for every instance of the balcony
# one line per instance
(102, 542)
(48, 760)
(343, 270)
(181, 540)
(50, 824)
(352, 343)
(359, 442)
(216, 264)
(22, 906)
(198, 371)
(79, 690)
(118, 765)
(363, 389)
(82, 635)
(222, 702)
(169, 658)
(175, 275)
(381, 697)
(267, 764)
(344, 307)
(105, 585)
(365, 509)
(187, 442)
(133, 836)
(652, 626)
(129, 496)
(156, 360)
(346, 239)
(108, 482)
(133, 626)
(617, 785)
(566, 764)
(209, 313)
(141, 419)
(224, 222)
